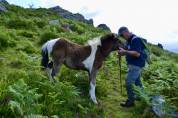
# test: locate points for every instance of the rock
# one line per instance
(66, 27)
(90, 21)
(2, 5)
(54, 22)
(68, 15)
(2, 8)
(161, 109)
(160, 45)
(4, 1)
(104, 27)
(158, 105)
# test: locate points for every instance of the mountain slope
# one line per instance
(27, 92)
(68, 15)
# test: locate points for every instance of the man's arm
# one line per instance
(135, 49)
(132, 53)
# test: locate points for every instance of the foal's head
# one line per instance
(109, 43)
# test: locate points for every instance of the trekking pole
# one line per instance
(119, 61)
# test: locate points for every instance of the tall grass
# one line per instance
(26, 90)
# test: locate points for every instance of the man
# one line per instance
(135, 61)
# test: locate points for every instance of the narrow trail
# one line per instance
(111, 103)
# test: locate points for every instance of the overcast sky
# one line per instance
(155, 20)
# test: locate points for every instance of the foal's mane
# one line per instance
(94, 41)
(98, 40)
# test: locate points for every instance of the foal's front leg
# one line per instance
(92, 79)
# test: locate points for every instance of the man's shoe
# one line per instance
(127, 104)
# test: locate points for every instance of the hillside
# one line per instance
(25, 90)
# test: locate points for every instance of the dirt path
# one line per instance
(112, 102)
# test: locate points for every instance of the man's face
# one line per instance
(125, 35)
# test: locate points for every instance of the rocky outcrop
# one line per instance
(2, 8)
(68, 15)
(160, 45)
(54, 22)
(104, 27)
(3, 1)
(2, 5)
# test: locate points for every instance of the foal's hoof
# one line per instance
(56, 81)
(94, 100)
(53, 80)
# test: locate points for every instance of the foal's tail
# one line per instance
(46, 51)
(45, 57)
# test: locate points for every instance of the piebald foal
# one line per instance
(72, 55)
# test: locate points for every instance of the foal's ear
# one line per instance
(113, 35)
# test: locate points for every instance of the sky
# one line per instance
(155, 20)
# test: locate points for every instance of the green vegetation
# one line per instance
(47, 36)
(25, 90)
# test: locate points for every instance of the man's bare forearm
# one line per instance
(133, 53)
(123, 52)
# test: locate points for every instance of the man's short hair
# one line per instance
(122, 30)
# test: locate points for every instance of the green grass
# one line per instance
(27, 92)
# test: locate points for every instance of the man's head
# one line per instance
(124, 32)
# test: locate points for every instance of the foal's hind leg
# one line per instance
(49, 70)
(56, 68)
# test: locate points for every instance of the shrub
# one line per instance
(17, 74)
(27, 34)
(47, 36)
(156, 51)
(13, 35)
(3, 41)
(156, 103)
(163, 80)
(60, 29)
(19, 24)
(77, 28)
(24, 100)
(27, 47)
(56, 28)
(6, 41)
(40, 23)
(16, 64)
(60, 98)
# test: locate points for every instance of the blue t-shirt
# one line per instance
(135, 44)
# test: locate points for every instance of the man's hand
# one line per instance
(122, 51)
